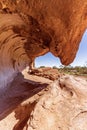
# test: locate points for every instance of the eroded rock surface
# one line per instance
(32, 28)
(46, 72)
(28, 29)
(60, 106)
(54, 24)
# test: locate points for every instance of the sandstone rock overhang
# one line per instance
(35, 27)
(31, 28)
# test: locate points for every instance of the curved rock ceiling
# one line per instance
(30, 28)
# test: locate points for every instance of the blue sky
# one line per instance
(80, 60)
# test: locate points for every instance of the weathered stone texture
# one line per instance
(31, 28)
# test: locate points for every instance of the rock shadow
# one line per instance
(18, 91)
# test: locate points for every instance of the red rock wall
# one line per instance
(32, 28)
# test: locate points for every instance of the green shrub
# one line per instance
(42, 66)
(54, 67)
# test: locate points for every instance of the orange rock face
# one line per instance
(56, 26)
(32, 28)
(28, 29)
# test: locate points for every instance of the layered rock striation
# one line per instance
(29, 29)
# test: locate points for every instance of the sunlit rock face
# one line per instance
(32, 28)
(28, 29)
(61, 106)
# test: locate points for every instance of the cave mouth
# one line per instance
(47, 60)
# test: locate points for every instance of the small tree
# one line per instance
(42, 66)
(54, 67)
(61, 66)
